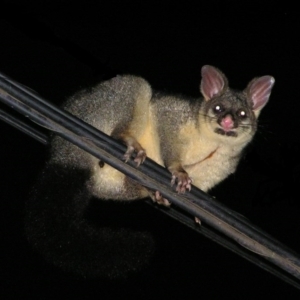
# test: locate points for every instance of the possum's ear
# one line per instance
(259, 91)
(213, 82)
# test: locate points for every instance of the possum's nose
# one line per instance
(227, 123)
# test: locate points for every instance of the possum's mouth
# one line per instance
(227, 133)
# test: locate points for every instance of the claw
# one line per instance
(128, 153)
(197, 221)
(159, 199)
(140, 157)
(184, 182)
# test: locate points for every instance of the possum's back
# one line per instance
(107, 105)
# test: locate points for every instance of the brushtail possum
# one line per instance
(200, 141)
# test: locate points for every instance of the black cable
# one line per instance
(24, 127)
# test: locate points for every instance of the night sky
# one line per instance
(58, 47)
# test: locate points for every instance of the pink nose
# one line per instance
(227, 123)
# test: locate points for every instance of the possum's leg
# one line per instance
(134, 120)
(179, 175)
(159, 199)
(133, 146)
(130, 132)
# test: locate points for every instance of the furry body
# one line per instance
(200, 141)
(183, 134)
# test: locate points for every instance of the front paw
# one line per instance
(184, 182)
(140, 156)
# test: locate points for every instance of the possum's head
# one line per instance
(232, 113)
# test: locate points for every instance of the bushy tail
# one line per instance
(81, 235)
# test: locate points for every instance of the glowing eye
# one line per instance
(218, 109)
(242, 114)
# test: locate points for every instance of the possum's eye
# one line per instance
(242, 114)
(218, 109)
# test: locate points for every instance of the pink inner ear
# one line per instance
(212, 82)
(260, 90)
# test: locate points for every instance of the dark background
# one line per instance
(56, 47)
